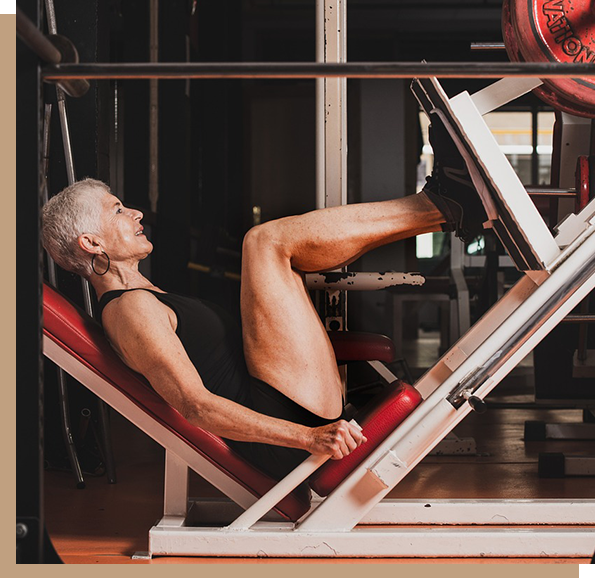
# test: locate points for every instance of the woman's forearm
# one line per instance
(231, 420)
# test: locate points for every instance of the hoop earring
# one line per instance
(93, 264)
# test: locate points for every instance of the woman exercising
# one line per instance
(273, 390)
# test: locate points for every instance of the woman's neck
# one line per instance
(118, 279)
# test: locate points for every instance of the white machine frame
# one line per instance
(356, 519)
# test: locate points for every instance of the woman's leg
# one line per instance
(285, 343)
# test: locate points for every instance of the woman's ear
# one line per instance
(90, 244)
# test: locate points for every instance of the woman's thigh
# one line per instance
(285, 343)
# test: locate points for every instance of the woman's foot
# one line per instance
(450, 187)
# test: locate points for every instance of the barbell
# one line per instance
(546, 38)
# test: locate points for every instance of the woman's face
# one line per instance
(122, 233)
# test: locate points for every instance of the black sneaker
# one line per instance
(450, 187)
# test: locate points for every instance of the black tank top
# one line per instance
(212, 340)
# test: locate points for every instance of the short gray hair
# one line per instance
(65, 217)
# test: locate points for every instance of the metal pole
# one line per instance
(579, 319)
(488, 46)
(551, 192)
(55, 50)
(35, 39)
(69, 161)
(147, 70)
(87, 298)
(331, 133)
(320, 84)
(62, 386)
(583, 330)
(154, 107)
(534, 143)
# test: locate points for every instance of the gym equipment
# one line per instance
(52, 274)
(557, 465)
(554, 31)
(74, 89)
(563, 358)
(541, 431)
(559, 272)
(173, 70)
(53, 49)
(558, 31)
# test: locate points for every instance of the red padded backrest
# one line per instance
(378, 419)
(83, 338)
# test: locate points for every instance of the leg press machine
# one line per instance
(350, 516)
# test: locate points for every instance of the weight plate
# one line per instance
(558, 31)
(545, 92)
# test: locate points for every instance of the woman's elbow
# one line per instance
(193, 410)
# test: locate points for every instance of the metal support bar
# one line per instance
(277, 493)
(460, 314)
(68, 159)
(52, 274)
(35, 39)
(497, 46)
(579, 319)
(105, 70)
(106, 441)
(269, 500)
(450, 512)
(87, 299)
(154, 107)
(551, 192)
(331, 137)
(502, 92)
(331, 109)
(175, 491)
(583, 329)
(276, 540)
(361, 281)
(47, 49)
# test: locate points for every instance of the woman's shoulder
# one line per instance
(125, 301)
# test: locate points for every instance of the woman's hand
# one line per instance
(338, 439)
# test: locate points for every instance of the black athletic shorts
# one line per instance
(276, 461)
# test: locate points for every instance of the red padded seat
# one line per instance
(82, 337)
(360, 346)
(378, 419)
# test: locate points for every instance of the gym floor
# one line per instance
(107, 524)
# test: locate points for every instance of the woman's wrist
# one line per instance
(304, 437)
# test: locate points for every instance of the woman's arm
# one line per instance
(140, 329)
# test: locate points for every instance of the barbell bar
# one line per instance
(210, 70)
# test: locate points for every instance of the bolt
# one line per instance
(22, 531)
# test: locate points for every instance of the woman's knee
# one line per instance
(265, 237)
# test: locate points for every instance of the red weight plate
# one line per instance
(558, 31)
(550, 96)
(557, 101)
